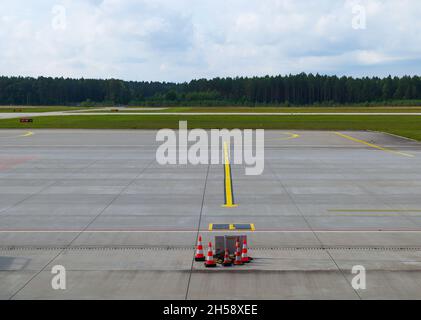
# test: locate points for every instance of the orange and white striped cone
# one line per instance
(244, 254)
(227, 261)
(238, 261)
(199, 251)
(210, 261)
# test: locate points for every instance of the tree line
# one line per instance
(301, 89)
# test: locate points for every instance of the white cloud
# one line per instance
(185, 39)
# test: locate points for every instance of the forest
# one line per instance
(301, 89)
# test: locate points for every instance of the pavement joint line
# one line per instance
(323, 247)
(374, 145)
(55, 181)
(70, 243)
(291, 198)
(343, 275)
(338, 267)
(315, 234)
(114, 198)
(197, 231)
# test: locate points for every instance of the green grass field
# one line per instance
(272, 110)
(312, 109)
(408, 126)
(38, 109)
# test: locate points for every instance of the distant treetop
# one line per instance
(301, 89)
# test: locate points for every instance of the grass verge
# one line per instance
(407, 126)
(38, 109)
(273, 110)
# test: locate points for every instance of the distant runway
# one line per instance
(122, 113)
(124, 227)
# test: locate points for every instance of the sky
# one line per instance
(180, 40)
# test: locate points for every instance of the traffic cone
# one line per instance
(238, 260)
(199, 251)
(227, 261)
(210, 261)
(244, 254)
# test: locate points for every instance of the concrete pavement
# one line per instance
(125, 227)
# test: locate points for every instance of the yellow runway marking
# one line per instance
(374, 145)
(229, 193)
(27, 134)
(290, 136)
(232, 227)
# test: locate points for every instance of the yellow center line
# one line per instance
(27, 134)
(229, 198)
(289, 134)
(231, 227)
(374, 145)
